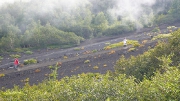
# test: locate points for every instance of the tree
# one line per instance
(175, 9)
(100, 23)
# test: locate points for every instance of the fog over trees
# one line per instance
(37, 23)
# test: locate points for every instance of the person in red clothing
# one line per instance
(16, 63)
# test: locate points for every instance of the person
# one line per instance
(125, 42)
(16, 63)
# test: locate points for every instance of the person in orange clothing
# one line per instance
(16, 63)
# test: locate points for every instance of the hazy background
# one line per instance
(36, 23)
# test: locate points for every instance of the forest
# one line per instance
(42, 24)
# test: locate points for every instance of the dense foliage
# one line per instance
(151, 61)
(96, 87)
(42, 24)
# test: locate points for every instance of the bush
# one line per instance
(146, 64)
(79, 48)
(15, 56)
(133, 42)
(18, 50)
(161, 36)
(87, 61)
(28, 52)
(65, 57)
(131, 49)
(120, 44)
(156, 29)
(98, 87)
(2, 75)
(95, 67)
(94, 51)
(30, 61)
(1, 57)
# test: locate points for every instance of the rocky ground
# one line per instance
(100, 61)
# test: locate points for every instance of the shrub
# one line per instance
(161, 36)
(120, 44)
(18, 50)
(15, 56)
(99, 87)
(2, 75)
(51, 67)
(77, 49)
(65, 57)
(131, 49)
(87, 61)
(30, 61)
(94, 51)
(115, 45)
(156, 29)
(28, 52)
(26, 80)
(95, 67)
(133, 42)
(1, 57)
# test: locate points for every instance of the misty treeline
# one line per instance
(67, 23)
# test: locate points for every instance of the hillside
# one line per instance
(162, 61)
(72, 50)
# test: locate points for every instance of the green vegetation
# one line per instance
(152, 76)
(15, 56)
(28, 52)
(54, 75)
(97, 87)
(30, 61)
(78, 48)
(161, 36)
(131, 49)
(134, 43)
(87, 61)
(18, 50)
(148, 63)
(94, 51)
(95, 67)
(65, 57)
(22, 27)
(51, 67)
(1, 57)
(2, 75)
(156, 29)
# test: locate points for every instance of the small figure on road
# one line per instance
(125, 42)
(16, 63)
